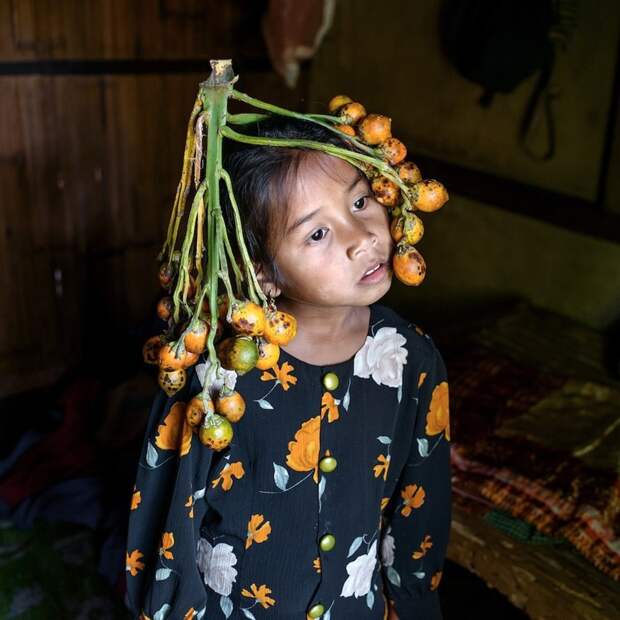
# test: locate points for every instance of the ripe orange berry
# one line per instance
(248, 318)
(409, 172)
(393, 150)
(280, 327)
(375, 129)
(268, 354)
(164, 308)
(409, 266)
(231, 405)
(337, 102)
(386, 192)
(352, 112)
(429, 195)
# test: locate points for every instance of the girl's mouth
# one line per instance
(375, 276)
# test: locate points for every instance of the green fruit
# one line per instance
(216, 432)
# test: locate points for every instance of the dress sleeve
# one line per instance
(167, 508)
(419, 512)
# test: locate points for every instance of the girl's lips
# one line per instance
(375, 276)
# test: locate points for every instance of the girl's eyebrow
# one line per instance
(304, 218)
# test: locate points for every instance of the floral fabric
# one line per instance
(238, 533)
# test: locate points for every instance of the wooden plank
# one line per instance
(547, 582)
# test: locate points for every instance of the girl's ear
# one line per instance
(266, 284)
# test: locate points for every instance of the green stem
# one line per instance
(331, 149)
(246, 118)
(254, 289)
(233, 261)
(315, 118)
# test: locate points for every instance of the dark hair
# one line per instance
(263, 180)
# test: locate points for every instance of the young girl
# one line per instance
(333, 500)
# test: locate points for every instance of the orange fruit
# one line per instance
(375, 129)
(164, 308)
(393, 150)
(409, 172)
(409, 227)
(280, 327)
(238, 353)
(335, 103)
(166, 275)
(409, 266)
(171, 381)
(195, 411)
(248, 318)
(268, 354)
(429, 195)
(386, 192)
(216, 432)
(195, 338)
(231, 405)
(168, 359)
(150, 350)
(346, 129)
(351, 113)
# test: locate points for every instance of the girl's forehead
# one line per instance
(323, 169)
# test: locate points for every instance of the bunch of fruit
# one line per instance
(239, 329)
(401, 199)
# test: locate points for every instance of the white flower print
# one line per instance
(382, 357)
(216, 565)
(387, 548)
(224, 377)
(360, 573)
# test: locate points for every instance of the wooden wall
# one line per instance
(94, 101)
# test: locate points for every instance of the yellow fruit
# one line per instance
(280, 328)
(429, 195)
(216, 432)
(268, 354)
(171, 381)
(337, 102)
(409, 266)
(231, 405)
(248, 318)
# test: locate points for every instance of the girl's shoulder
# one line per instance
(419, 343)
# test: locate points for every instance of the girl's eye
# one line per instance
(320, 230)
(360, 202)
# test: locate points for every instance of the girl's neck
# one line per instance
(320, 328)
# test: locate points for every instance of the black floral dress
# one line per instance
(334, 494)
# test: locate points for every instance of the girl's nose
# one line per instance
(362, 240)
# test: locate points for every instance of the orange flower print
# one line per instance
(281, 374)
(424, 547)
(438, 416)
(226, 475)
(316, 563)
(382, 466)
(435, 579)
(175, 433)
(190, 614)
(167, 541)
(421, 379)
(413, 497)
(384, 502)
(303, 451)
(136, 498)
(132, 562)
(258, 531)
(329, 406)
(190, 504)
(260, 594)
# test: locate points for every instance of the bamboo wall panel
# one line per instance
(113, 29)
(88, 170)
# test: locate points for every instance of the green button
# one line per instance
(330, 381)
(327, 542)
(316, 611)
(327, 464)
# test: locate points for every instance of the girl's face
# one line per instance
(336, 231)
